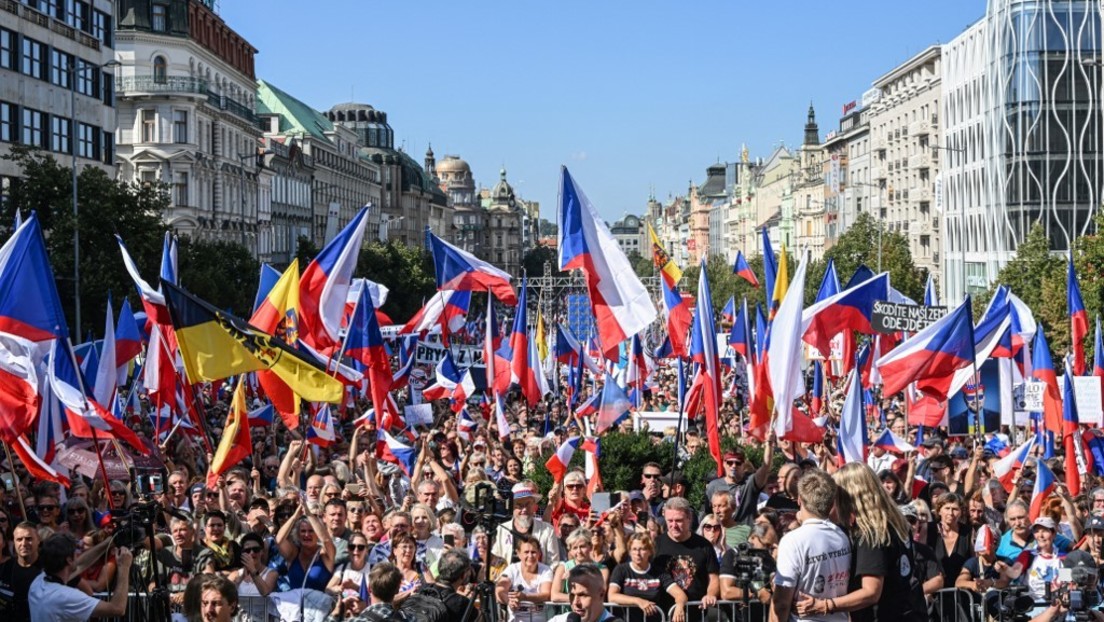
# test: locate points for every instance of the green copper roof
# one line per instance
(295, 116)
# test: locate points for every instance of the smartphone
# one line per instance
(450, 540)
(9, 481)
(600, 502)
(642, 517)
(354, 489)
(615, 499)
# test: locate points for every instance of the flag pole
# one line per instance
(95, 437)
(18, 490)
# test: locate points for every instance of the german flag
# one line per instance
(216, 345)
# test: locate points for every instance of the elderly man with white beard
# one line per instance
(526, 498)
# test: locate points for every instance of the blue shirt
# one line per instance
(1008, 550)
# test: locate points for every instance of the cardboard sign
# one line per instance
(419, 414)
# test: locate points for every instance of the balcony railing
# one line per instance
(236, 108)
(170, 84)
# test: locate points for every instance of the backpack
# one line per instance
(427, 604)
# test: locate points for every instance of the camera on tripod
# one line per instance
(1009, 605)
(148, 481)
(752, 565)
(133, 528)
(1078, 592)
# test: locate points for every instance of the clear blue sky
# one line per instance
(628, 95)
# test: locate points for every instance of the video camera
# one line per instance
(1011, 604)
(132, 529)
(485, 504)
(752, 565)
(1079, 591)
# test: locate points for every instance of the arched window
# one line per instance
(160, 70)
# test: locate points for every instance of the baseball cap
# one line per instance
(636, 495)
(525, 490)
(960, 453)
(674, 478)
(932, 441)
(1045, 522)
(1095, 523)
(196, 488)
(734, 454)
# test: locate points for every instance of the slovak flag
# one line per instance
(1006, 468)
(1045, 485)
(893, 443)
(390, 449)
(741, 269)
(460, 270)
(324, 285)
(621, 304)
(930, 357)
(1079, 319)
(558, 462)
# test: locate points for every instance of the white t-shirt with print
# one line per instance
(527, 612)
(815, 559)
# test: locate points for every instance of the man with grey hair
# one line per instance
(815, 558)
(525, 522)
(688, 557)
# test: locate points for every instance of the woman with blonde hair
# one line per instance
(884, 583)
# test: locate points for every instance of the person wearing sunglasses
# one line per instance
(78, 518)
(349, 575)
(743, 483)
(254, 579)
(48, 511)
(568, 497)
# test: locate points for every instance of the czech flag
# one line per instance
(447, 379)
(128, 337)
(931, 298)
(829, 284)
(1098, 352)
(169, 263)
(729, 311)
(325, 284)
(741, 339)
(851, 309)
(1006, 468)
(851, 443)
(893, 443)
(770, 268)
(816, 401)
(930, 357)
(322, 431)
(460, 270)
(621, 304)
(1045, 485)
(593, 448)
(390, 449)
(447, 309)
(613, 406)
(262, 416)
(679, 318)
(520, 372)
(465, 425)
(703, 351)
(364, 343)
(558, 462)
(1043, 371)
(1071, 438)
(1079, 319)
(152, 299)
(741, 269)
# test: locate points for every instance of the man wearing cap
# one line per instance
(1094, 540)
(525, 522)
(741, 483)
(929, 449)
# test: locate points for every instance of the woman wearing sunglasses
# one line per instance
(254, 579)
(348, 577)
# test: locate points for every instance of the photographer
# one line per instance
(51, 599)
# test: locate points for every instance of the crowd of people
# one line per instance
(301, 530)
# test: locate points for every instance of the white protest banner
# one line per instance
(1086, 394)
(1033, 396)
(419, 414)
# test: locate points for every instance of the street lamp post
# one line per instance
(73, 141)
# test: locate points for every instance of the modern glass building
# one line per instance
(1021, 143)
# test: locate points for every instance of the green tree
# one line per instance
(407, 271)
(535, 259)
(224, 274)
(1038, 277)
(859, 245)
(305, 251)
(106, 207)
(642, 266)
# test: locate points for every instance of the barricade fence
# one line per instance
(140, 608)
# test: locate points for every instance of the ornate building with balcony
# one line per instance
(503, 227)
(454, 176)
(186, 93)
(342, 182)
(55, 91)
(410, 199)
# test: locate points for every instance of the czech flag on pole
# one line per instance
(930, 357)
(460, 270)
(128, 337)
(679, 318)
(324, 286)
(851, 443)
(364, 343)
(851, 309)
(621, 304)
(893, 443)
(390, 449)
(1006, 468)
(1071, 438)
(1043, 371)
(558, 462)
(741, 269)
(770, 267)
(1098, 352)
(1045, 485)
(1079, 319)
(703, 350)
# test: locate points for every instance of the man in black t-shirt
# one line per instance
(687, 557)
(17, 574)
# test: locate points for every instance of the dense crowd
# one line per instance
(301, 530)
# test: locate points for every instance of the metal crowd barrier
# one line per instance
(250, 609)
(957, 605)
(628, 613)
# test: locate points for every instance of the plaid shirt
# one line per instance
(379, 612)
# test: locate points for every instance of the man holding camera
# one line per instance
(52, 600)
